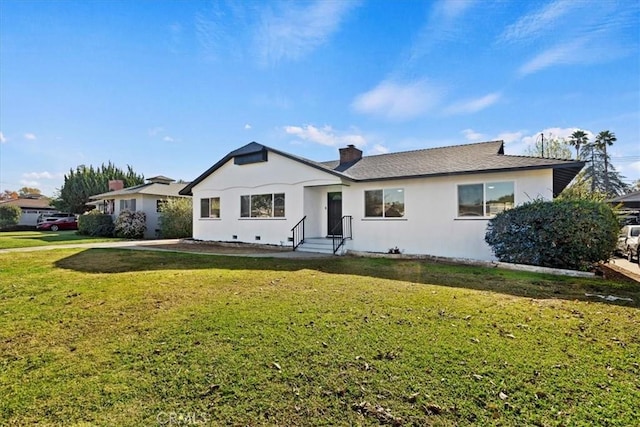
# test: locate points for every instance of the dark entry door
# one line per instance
(334, 213)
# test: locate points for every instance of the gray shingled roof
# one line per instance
(454, 160)
(155, 189)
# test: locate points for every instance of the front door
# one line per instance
(334, 213)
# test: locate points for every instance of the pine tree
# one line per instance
(83, 182)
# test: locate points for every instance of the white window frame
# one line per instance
(384, 209)
(276, 212)
(210, 214)
(486, 210)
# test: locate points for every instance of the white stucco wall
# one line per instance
(278, 175)
(430, 225)
(147, 204)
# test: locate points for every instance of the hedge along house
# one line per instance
(148, 198)
(433, 201)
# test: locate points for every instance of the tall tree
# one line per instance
(603, 139)
(83, 182)
(554, 148)
(599, 172)
(577, 139)
(25, 191)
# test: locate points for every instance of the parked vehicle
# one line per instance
(628, 242)
(50, 217)
(67, 223)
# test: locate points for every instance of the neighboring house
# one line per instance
(434, 201)
(147, 198)
(629, 205)
(32, 207)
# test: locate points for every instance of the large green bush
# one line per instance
(571, 234)
(9, 215)
(96, 224)
(176, 218)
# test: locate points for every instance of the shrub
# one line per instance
(176, 218)
(9, 215)
(131, 225)
(571, 234)
(96, 224)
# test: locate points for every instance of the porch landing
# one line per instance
(319, 245)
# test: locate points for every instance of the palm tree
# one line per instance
(603, 139)
(578, 138)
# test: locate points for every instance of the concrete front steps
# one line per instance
(319, 245)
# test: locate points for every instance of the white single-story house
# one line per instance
(147, 198)
(433, 201)
(32, 207)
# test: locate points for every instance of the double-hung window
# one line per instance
(387, 203)
(210, 208)
(485, 199)
(128, 204)
(262, 206)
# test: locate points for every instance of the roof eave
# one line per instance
(578, 165)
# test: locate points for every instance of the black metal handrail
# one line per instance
(344, 232)
(298, 233)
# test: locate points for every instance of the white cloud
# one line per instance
(472, 135)
(452, 9)
(378, 149)
(537, 23)
(474, 105)
(295, 29)
(2, 138)
(518, 142)
(399, 101)
(634, 168)
(27, 183)
(168, 139)
(30, 136)
(42, 175)
(509, 137)
(247, 126)
(562, 54)
(325, 135)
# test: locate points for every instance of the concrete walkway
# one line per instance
(148, 245)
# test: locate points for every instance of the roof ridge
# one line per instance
(427, 149)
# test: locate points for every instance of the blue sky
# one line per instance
(169, 87)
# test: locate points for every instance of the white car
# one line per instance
(628, 242)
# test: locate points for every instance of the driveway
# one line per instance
(629, 267)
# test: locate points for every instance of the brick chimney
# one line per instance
(350, 154)
(116, 184)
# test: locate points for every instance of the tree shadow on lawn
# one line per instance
(520, 284)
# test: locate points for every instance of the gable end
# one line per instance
(249, 158)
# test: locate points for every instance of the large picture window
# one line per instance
(485, 199)
(387, 203)
(262, 206)
(210, 208)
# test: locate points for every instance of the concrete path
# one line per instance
(631, 269)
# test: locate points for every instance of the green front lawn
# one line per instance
(116, 337)
(24, 239)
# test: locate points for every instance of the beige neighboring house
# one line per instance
(147, 198)
(32, 207)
